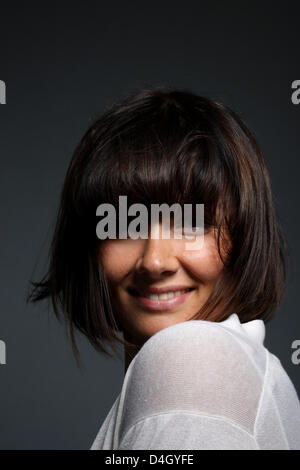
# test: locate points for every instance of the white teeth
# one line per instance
(166, 295)
(163, 297)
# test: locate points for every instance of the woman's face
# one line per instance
(138, 269)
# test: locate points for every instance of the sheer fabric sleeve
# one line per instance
(187, 431)
(194, 385)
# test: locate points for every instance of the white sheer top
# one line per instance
(204, 385)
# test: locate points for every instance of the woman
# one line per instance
(197, 374)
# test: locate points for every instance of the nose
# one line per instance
(158, 258)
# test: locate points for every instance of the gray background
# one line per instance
(63, 62)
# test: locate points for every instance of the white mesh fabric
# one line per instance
(204, 385)
(186, 431)
(193, 366)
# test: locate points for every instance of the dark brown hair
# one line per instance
(166, 146)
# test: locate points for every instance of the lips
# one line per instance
(161, 298)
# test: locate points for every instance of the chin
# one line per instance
(155, 323)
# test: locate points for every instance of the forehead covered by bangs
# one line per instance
(168, 150)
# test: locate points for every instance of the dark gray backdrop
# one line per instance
(63, 62)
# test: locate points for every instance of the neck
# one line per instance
(129, 354)
(127, 360)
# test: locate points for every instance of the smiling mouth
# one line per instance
(159, 301)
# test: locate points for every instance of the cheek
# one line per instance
(206, 263)
(118, 258)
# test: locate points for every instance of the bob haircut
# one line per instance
(166, 146)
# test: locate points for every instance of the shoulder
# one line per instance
(197, 331)
(197, 342)
(196, 366)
